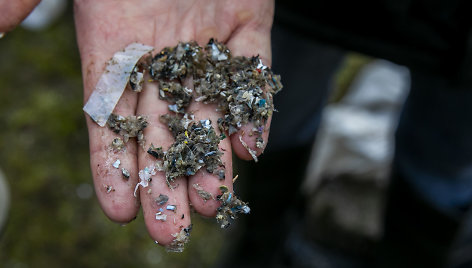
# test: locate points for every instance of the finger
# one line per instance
(249, 134)
(114, 192)
(249, 41)
(158, 134)
(97, 44)
(14, 12)
(203, 180)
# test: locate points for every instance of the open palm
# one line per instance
(104, 27)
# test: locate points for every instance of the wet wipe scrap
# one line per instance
(241, 87)
(113, 81)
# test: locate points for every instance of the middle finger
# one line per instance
(158, 134)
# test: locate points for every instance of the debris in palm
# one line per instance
(117, 144)
(241, 88)
(251, 151)
(125, 173)
(177, 62)
(171, 207)
(180, 239)
(136, 80)
(156, 152)
(160, 216)
(128, 127)
(117, 163)
(202, 193)
(195, 146)
(108, 188)
(145, 176)
(230, 207)
(162, 199)
(179, 96)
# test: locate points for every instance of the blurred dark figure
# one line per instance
(431, 182)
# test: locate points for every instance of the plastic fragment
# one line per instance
(145, 177)
(218, 51)
(235, 178)
(108, 188)
(125, 173)
(128, 127)
(162, 199)
(113, 81)
(161, 217)
(136, 80)
(221, 174)
(180, 240)
(260, 143)
(251, 151)
(171, 207)
(156, 152)
(117, 144)
(202, 193)
(230, 207)
(117, 163)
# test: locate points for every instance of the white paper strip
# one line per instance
(113, 82)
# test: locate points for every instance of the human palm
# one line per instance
(104, 27)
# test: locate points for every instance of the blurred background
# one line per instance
(49, 215)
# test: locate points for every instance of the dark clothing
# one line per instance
(432, 38)
(306, 77)
(430, 35)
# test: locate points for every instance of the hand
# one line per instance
(104, 27)
(13, 12)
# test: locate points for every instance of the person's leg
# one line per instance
(431, 185)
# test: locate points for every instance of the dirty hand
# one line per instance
(107, 26)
